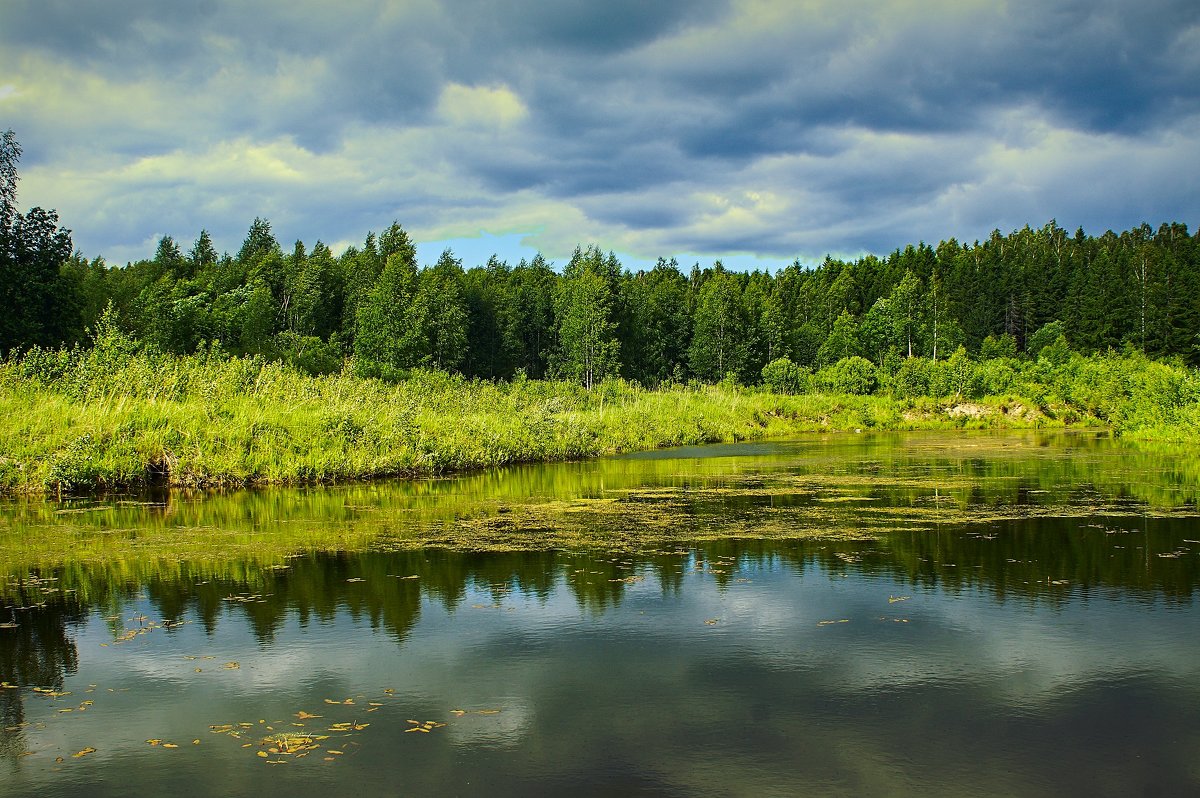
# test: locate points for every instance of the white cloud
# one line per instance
(485, 106)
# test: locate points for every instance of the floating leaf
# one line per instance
(154, 742)
(170, 745)
(302, 715)
(894, 599)
(84, 752)
(231, 666)
(262, 754)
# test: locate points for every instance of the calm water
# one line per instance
(894, 615)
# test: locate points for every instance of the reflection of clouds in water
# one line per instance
(176, 657)
(503, 725)
(1025, 656)
(766, 701)
(774, 618)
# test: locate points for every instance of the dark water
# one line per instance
(1022, 621)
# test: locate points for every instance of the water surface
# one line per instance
(885, 615)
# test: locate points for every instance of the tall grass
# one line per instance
(110, 416)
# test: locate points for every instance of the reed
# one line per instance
(114, 417)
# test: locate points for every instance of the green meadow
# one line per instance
(116, 416)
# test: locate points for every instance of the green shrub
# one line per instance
(850, 375)
(1003, 347)
(783, 376)
(911, 379)
(1043, 337)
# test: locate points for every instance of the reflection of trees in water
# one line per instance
(1010, 558)
(1044, 558)
(1024, 557)
(387, 588)
(38, 652)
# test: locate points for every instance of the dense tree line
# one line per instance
(1006, 296)
(37, 294)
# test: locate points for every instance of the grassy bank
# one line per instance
(112, 417)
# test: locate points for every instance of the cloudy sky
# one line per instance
(757, 131)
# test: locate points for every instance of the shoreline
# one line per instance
(96, 447)
(82, 421)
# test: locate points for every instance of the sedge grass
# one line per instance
(196, 422)
(113, 417)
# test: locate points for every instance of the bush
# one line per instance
(995, 377)
(911, 379)
(957, 374)
(783, 376)
(851, 375)
(1057, 353)
(993, 347)
(1045, 336)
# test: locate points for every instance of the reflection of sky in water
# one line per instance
(971, 696)
(989, 679)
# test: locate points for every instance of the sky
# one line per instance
(750, 131)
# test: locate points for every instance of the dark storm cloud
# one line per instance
(1099, 67)
(116, 31)
(739, 125)
(589, 29)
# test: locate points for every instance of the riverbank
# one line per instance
(113, 418)
(188, 422)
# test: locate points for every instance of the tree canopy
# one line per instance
(374, 305)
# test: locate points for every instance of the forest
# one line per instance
(1011, 295)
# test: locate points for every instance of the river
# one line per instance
(906, 614)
